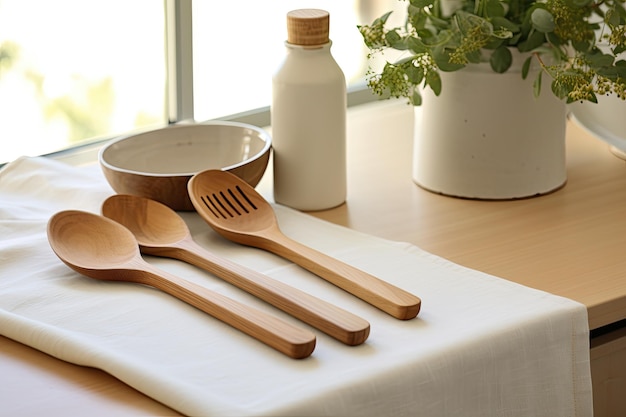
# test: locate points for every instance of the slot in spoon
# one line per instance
(236, 211)
(160, 231)
(103, 249)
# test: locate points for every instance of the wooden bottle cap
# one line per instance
(308, 27)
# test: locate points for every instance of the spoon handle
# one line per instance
(293, 341)
(332, 320)
(381, 294)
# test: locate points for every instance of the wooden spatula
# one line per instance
(237, 212)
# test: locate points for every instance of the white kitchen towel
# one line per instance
(481, 346)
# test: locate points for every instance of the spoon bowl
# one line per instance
(236, 211)
(100, 248)
(73, 241)
(160, 231)
(153, 224)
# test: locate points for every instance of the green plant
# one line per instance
(576, 42)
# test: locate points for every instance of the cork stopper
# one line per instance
(308, 27)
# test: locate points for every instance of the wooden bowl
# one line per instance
(159, 163)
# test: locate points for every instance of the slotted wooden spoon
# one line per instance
(237, 212)
(160, 231)
(103, 249)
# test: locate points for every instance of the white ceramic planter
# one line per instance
(487, 137)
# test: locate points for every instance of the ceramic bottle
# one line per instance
(308, 116)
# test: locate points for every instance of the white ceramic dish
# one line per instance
(606, 120)
(158, 164)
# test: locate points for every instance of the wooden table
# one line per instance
(571, 242)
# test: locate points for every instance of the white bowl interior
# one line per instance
(186, 149)
(606, 120)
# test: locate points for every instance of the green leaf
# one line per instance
(620, 10)
(621, 72)
(582, 46)
(495, 8)
(612, 18)
(599, 59)
(414, 74)
(526, 67)
(438, 22)
(610, 73)
(542, 20)
(501, 59)
(494, 42)
(535, 40)
(433, 80)
(474, 56)
(395, 40)
(416, 99)
(515, 39)
(425, 34)
(416, 45)
(441, 57)
(554, 39)
(382, 20)
(537, 85)
(467, 22)
(502, 22)
(417, 18)
(574, 4)
(560, 89)
(422, 3)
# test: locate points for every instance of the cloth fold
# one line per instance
(481, 346)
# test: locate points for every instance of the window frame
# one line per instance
(180, 107)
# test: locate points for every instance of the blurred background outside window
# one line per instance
(75, 71)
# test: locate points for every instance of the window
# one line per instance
(234, 62)
(73, 71)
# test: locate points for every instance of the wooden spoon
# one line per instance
(237, 212)
(103, 249)
(160, 231)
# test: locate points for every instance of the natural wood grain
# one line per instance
(570, 242)
(608, 370)
(171, 154)
(239, 213)
(160, 231)
(100, 248)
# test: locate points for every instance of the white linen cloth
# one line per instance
(481, 346)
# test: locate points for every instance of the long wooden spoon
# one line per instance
(160, 231)
(237, 212)
(103, 249)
